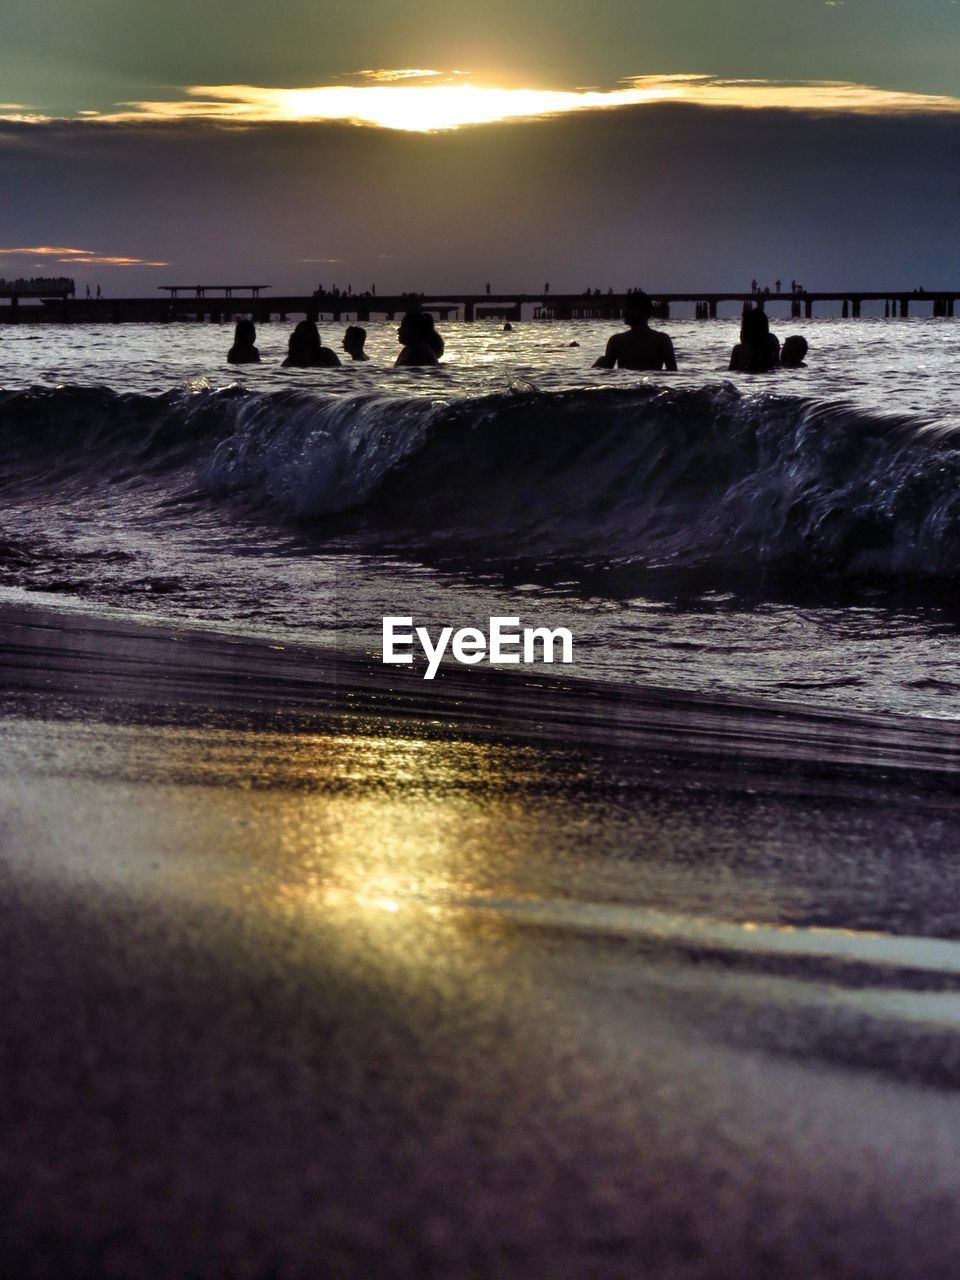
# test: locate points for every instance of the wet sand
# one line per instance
(309, 970)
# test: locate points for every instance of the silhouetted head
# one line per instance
(416, 326)
(245, 333)
(754, 325)
(793, 351)
(304, 344)
(759, 350)
(354, 338)
(639, 309)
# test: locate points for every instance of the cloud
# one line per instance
(837, 96)
(427, 108)
(69, 256)
(20, 113)
(406, 73)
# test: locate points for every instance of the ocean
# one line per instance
(793, 536)
(648, 965)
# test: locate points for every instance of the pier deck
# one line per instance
(228, 304)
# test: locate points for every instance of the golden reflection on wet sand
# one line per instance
(391, 841)
(366, 992)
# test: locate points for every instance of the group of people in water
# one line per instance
(640, 348)
(420, 344)
(759, 350)
(644, 348)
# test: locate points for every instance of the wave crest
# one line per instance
(648, 476)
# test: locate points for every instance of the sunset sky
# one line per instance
(675, 143)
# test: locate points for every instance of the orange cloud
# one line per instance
(68, 256)
(404, 73)
(20, 113)
(808, 95)
(390, 103)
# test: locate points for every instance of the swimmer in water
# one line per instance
(640, 347)
(353, 341)
(244, 350)
(305, 351)
(758, 350)
(419, 339)
(793, 351)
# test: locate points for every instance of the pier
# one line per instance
(56, 302)
(41, 288)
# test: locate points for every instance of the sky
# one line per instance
(679, 144)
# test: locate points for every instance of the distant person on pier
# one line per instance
(640, 347)
(758, 349)
(244, 350)
(793, 352)
(353, 341)
(305, 350)
(418, 338)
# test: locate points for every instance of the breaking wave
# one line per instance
(654, 477)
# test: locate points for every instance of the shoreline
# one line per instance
(71, 664)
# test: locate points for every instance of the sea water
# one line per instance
(791, 536)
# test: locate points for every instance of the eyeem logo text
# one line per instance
(504, 642)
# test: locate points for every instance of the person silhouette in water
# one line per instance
(640, 347)
(305, 351)
(793, 351)
(758, 349)
(419, 339)
(353, 341)
(244, 350)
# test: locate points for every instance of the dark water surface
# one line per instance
(795, 537)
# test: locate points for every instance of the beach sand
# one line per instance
(312, 969)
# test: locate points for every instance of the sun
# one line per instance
(413, 108)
